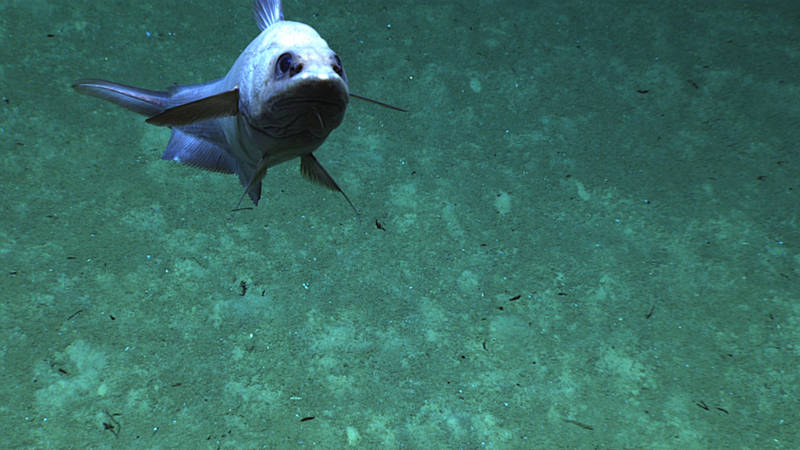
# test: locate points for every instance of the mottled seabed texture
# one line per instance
(588, 233)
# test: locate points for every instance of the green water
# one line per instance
(588, 233)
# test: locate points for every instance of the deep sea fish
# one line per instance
(284, 94)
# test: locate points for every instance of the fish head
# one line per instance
(295, 86)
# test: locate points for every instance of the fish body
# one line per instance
(280, 100)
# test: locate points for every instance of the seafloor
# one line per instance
(583, 235)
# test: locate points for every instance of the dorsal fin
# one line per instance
(267, 12)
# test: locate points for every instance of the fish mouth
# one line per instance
(313, 107)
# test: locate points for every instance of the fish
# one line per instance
(285, 93)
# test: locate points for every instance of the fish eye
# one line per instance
(284, 64)
(337, 66)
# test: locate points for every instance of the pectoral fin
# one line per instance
(142, 101)
(219, 105)
(313, 171)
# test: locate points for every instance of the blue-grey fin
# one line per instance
(208, 130)
(250, 177)
(142, 101)
(313, 171)
(194, 151)
(180, 94)
(219, 105)
(267, 12)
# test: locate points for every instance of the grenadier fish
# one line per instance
(284, 94)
